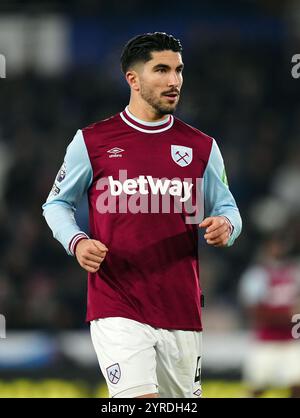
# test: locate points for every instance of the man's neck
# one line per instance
(144, 113)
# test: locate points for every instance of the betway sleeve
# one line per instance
(218, 200)
(72, 181)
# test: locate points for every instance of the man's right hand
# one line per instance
(90, 253)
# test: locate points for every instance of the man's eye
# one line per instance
(161, 70)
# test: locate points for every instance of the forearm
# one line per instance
(217, 197)
(62, 223)
(234, 217)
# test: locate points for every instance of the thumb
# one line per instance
(206, 222)
(99, 245)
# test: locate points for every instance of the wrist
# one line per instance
(76, 245)
(229, 224)
(75, 240)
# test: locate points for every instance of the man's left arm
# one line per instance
(222, 220)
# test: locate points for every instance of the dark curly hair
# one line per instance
(140, 47)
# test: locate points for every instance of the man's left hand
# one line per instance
(218, 230)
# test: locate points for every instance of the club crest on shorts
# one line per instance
(198, 392)
(182, 156)
(113, 373)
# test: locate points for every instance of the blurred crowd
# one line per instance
(242, 95)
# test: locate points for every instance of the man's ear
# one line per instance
(133, 80)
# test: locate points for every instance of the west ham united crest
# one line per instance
(114, 373)
(182, 156)
(198, 392)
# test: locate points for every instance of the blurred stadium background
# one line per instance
(62, 73)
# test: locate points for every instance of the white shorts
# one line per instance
(137, 359)
(272, 364)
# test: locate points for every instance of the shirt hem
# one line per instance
(181, 327)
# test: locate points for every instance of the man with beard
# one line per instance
(144, 296)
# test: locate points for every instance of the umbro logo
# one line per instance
(115, 152)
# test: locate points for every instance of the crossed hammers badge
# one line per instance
(182, 156)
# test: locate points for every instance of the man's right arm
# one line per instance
(71, 183)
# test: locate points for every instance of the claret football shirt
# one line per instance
(149, 185)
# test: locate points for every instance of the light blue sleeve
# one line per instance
(218, 200)
(72, 181)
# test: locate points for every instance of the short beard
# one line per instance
(156, 104)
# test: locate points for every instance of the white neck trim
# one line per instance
(143, 122)
(146, 127)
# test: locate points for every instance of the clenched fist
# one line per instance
(90, 253)
(218, 230)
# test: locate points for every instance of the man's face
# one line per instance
(161, 80)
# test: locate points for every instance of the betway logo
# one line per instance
(145, 183)
(145, 194)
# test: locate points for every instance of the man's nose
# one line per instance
(174, 79)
